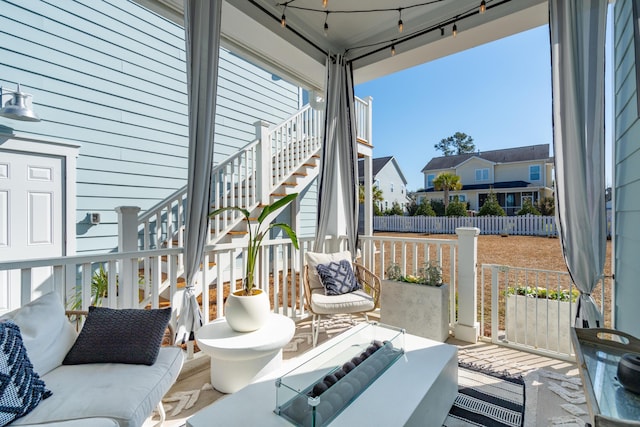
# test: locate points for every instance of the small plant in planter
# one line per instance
(430, 274)
(417, 302)
(543, 293)
(244, 315)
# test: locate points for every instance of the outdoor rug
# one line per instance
(487, 398)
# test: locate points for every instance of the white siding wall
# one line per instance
(627, 174)
(308, 210)
(389, 179)
(467, 172)
(110, 76)
(517, 172)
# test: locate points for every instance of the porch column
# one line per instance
(264, 172)
(128, 242)
(467, 327)
(368, 196)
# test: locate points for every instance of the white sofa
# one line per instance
(96, 394)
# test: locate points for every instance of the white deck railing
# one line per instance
(524, 225)
(411, 254)
(510, 314)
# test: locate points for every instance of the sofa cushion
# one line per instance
(85, 422)
(353, 302)
(21, 389)
(123, 392)
(120, 336)
(46, 331)
(315, 258)
(337, 277)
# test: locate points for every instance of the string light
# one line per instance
(385, 44)
(326, 25)
(283, 20)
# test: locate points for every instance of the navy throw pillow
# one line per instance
(337, 277)
(110, 335)
(21, 388)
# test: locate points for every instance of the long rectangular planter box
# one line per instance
(540, 323)
(420, 309)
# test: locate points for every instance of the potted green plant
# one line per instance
(248, 308)
(417, 302)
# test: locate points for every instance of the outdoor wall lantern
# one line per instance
(18, 105)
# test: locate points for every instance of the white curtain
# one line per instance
(202, 30)
(577, 31)
(338, 192)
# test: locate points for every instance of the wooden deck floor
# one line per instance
(542, 375)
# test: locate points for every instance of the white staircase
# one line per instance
(282, 160)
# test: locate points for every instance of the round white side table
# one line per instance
(237, 358)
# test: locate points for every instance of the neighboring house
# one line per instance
(109, 80)
(388, 177)
(513, 174)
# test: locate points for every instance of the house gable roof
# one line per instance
(376, 166)
(507, 155)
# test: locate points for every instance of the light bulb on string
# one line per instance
(326, 25)
(283, 20)
(325, 3)
(483, 7)
(441, 31)
(393, 50)
(400, 24)
(454, 30)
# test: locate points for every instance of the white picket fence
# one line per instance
(524, 225)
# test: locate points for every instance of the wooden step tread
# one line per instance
(237, 233)
(300, 174)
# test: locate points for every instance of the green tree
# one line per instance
(376, 198)
(528, 208)
(547, 206)
(425, 209)
(456, 208)
(446, 182)
(491, 207)
(458, 143)
(438, 206)
(396, 209)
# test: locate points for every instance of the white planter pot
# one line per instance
(247, 313)
(539, 322)
(420, 309)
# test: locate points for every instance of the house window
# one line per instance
(461, 198)
(482, 174)
(391, 187)
(376, 183)
(534, 173)
(430, 179)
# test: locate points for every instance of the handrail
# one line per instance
(84, 259)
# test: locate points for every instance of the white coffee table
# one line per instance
(238, 358)
(417, 390)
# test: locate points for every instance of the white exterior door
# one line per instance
(31, 219)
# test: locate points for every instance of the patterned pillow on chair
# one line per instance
(21, 388)
(337, 277)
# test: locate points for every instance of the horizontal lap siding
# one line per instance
(110, 76)
(627, 177)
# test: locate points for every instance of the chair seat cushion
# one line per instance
(353, 302)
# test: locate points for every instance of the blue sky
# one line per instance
(498, 93)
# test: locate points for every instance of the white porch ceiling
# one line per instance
(298, 52)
